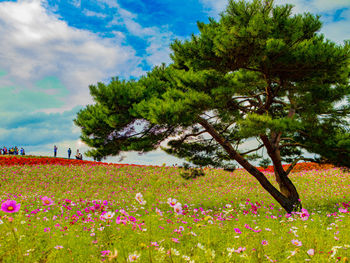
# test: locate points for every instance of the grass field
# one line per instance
(92, 213)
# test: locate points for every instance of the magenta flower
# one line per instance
(342, 210)
(105, 253)
(121, 220)
(304, 214)
(264, 242)
(47, 201)
(238, 231)
(10, 206)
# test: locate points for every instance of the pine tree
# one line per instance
(259, 72)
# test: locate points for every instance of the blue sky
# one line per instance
(51, 51)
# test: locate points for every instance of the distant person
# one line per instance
(55, 151)
(69, 153)
(78, 156)
(22, 151)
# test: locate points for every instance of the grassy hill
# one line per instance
(96, 212)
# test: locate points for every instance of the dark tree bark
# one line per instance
(288, 202)
(286, 186)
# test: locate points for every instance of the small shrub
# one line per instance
(188, 172)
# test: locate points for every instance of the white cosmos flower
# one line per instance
(134, 256)
(139, 198)
(178, 208)
(108, 215)
(172, 201)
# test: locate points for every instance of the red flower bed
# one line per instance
(34, 160)
(300, 167)
(38, 160)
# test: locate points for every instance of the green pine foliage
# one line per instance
(258, 70)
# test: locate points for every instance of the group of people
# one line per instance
(78, 155)
(12, 151)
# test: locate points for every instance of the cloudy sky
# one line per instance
(51, 51)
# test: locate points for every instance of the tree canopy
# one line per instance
(259, 72)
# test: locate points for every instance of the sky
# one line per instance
(51, 51)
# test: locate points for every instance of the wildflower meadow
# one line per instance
(92, 212)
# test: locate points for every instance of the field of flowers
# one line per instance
(68, 211)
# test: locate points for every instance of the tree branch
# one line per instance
(253, 150)
(292, 165)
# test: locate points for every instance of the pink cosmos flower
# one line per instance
(296, 242)
(10, 206)
(177, 231)
(304, 214)
(132, 219)
(58, 247)
(238, 231)
(160, 213)
(121, 220)
(105, 253)
(240, 249)
(46, 200)
(176, 240)
(264, 242)
(342, 210)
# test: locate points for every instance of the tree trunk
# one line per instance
(288, 202)
(286, 186)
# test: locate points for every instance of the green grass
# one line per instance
(217, 204)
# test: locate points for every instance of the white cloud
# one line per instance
(158, 38)
(92, 13)
(76, 3)
(215, 6)
(315, 6)
(34, 44)
(338, 31)
(327, 5)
